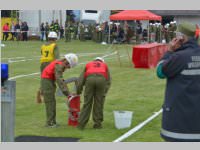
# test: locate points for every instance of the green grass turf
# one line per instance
(137, 90)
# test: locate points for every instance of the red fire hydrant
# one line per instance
(74, 110)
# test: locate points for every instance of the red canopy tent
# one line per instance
(135, 15)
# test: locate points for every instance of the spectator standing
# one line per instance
(42, 31)
(24, 29)
(113, 32)
(17, 29)
(78, 30)
(105, 32)
(120, 37)
(144, 34)
(129, 35)
(51, 27)
(61, 32)
(125, 28)
(12, 29)
(5, 31)
(170, 29)
(138, 32)
(57, 27)
(46, 28)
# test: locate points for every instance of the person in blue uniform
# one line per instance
(181, 68)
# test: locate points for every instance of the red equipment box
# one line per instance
(148, 55)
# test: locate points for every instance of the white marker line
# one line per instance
(114, 57)
(138, 127)
(14, 58)
(87, 54)
(24, 75)
(23, 60)
(23, 57)
(102, 57)
(109, 54)
(20, 76)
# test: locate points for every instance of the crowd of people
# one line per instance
(99, 32)
(162, 32)
(45, 28)
(116, 33)
(18, 31)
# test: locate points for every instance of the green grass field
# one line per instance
(137, 90)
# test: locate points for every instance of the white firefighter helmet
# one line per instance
(99, 58)
(53, 35)
(72, 59)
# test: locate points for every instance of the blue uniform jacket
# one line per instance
(181, 108)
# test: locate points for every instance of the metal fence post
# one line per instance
(8, 98)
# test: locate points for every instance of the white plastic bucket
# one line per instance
(123, 119)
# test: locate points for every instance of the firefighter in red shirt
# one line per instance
(97, 81)
(51, 74)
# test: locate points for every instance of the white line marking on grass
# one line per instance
(109, 54)
(23, 60)
(115, 57)
(19, 57)
(138, 127)
(24, 75)
(14, 58)
(62, 56)
(88, 54)
(36, 73)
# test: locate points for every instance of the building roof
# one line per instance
(177, 12)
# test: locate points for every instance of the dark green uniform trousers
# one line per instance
(48, 89)
(42, 66)
(94, 96)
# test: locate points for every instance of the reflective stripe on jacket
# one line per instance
(180, 136)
